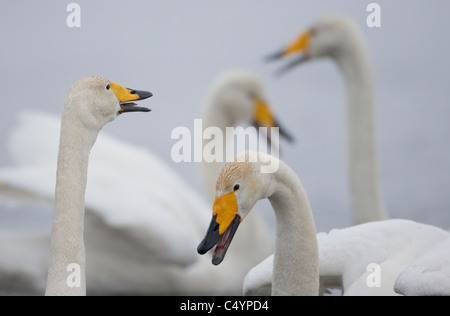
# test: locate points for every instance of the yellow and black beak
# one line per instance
(264, 117)
(126, 95)
(300, 45)
(222, 228)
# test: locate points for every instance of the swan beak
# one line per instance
(222, 228)
(301, 44)
(125, 95)
(263, 117)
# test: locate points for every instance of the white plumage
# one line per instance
(429, 275)
(143, 221)
(346, 254)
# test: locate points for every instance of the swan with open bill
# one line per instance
(91, 103)
(240, 185)
(137, 251)
(339, 39)
(361, 260)
(398, 248)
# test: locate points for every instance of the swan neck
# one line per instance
(66, 274)
(296, 246)
(217, 119)
(363, 168)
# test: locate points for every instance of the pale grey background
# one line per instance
(176, 48)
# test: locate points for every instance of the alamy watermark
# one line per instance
(374, 278)
(74, 278)
(211, 145)
(374, 18)
(74, 18)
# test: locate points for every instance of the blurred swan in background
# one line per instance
(143, 221)
(429, 275)
(340, 39)
(224, 108)
(349, 258)
(91, 103)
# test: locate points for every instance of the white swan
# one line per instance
(392, 244)
(240, 185)
(236, 97)
(349, 257)
(339, 38)
(429, 275)
(91, 103)
(157, 235)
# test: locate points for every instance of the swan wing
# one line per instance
(429, 275)
(347, 256)
(143, 198)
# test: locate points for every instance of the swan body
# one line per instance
(240, 185)
(157, 235)
(339, 39)
(429, 275)
(346, 256)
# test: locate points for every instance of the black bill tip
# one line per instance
(286, 135)
(142, 94)
(221, 241)
(127, 107)
(291, 65)
(131, 107)
(217, 260)
(211, 238)
(275, 56)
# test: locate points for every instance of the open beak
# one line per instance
(222, 228)
(221, 241)
(300, 45)
(263, 117)
(126, 95)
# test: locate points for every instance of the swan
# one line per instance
(91, 103)
(400, 242)
(429, 275)
(348, 258)
(338, 38)
(224, 108)
(154, 240)
(343, 258)
(240, 185)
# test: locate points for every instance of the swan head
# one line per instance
(97, 101)
(239, 98)
(239, 187)
(329, 37)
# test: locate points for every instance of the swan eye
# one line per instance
(236, 187)
(108, 87)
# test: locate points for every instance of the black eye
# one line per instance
(236, 187)
(108, 87)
